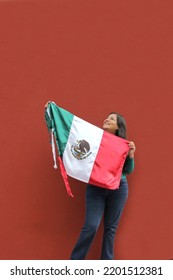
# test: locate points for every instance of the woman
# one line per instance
(103, 202)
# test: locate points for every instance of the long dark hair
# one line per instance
(121, 132)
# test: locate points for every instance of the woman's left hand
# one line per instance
(132, 149)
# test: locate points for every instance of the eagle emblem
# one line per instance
(81, 149)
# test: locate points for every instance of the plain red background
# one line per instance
(90, 57)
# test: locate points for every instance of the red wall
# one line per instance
(90, 57)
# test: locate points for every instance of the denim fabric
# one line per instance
(100, 203)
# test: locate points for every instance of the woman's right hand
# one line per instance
(46, 104)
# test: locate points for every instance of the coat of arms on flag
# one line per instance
(85, 151)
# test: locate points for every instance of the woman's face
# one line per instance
(110, 123)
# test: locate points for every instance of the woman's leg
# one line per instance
(115, 203)
(95, 203)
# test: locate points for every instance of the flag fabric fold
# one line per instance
(85, 151)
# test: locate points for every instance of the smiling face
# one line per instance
(110, 123)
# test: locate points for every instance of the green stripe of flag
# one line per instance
(62, 123)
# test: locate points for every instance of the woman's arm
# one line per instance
(132, 149)
(129, 162)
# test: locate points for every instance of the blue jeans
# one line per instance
(99, 202)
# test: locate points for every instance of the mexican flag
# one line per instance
(85, 151)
